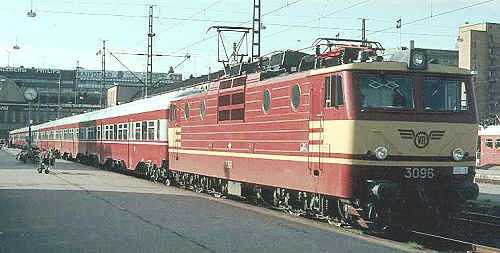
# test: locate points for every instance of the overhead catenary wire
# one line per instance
(125, 66)
(288, 4)
(325, 15)
(434, 15)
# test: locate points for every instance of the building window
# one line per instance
(266, 101)
(296, 92)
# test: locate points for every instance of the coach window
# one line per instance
(106, 132)
(266, 101)
(125, 131)
(115, 132)
(151, 130)
(138, 130)
(120, 132)
(296, 92)
(489, 143)
(173, 112)
(98, 132)
(144, 130)
(497, 143)
(203, 108)
(186, 110)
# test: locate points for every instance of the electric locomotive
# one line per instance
(340, 132)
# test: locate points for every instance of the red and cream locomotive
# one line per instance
(339, 132)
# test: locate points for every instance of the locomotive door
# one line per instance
(315, 133)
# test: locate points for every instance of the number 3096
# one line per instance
(415, 173)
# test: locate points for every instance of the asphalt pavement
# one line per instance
(81, 209)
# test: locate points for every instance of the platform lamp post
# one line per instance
(30, 95)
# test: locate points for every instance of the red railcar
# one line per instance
(489, 147)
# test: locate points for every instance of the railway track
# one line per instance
(442, 243)
(480, 218)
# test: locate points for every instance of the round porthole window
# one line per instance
(266, 101)
(203, 109)
(296, 97)
(186, 110)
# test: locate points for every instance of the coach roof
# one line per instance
(160, 102)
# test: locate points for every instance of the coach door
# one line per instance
(315, 132)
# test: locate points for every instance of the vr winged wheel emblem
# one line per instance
(421, 139)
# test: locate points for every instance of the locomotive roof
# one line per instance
(490, 130)
(160, 102)
(394, 66)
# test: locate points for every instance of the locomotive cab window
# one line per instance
(334, 95)
(445, 95)
(386, 92)
(173, 113)
(497, 143)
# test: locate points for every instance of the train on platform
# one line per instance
(338, 133)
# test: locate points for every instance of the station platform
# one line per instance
(489, 176)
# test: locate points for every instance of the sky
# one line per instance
(65, 33)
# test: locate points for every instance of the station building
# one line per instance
(61, 93)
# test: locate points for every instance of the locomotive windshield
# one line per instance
(445, 95)
(385, 91)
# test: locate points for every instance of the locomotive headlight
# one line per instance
(418, 59)
(381, 153)
(458, 154)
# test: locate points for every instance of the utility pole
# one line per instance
(59, 97)
(256, 28)
(363, 30)
(103, 75)
(77, 76)
(149, 71)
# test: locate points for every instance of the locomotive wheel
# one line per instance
(375, 218)
(47, 171)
